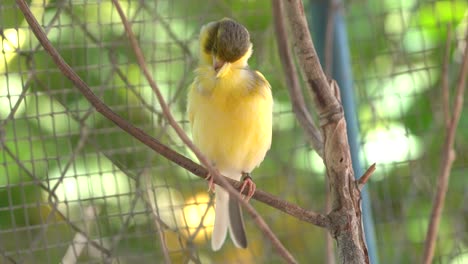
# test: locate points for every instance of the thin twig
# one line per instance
(445, 77)
(295, 92)
(365, 177)
(448, 156)
(281, 250)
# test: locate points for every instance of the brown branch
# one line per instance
(448, 156)
(298, 103)
(315, 78)
(345, 217)
(445, 77)
(292, 82)
(365, 177)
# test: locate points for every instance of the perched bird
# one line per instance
(230, 109)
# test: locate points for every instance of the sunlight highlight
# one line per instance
(11, 41)
(199, 217)
(391, 144)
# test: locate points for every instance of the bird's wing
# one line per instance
(190, 104)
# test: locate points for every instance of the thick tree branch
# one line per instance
(292, 81)
(325, 101)
(345, 217)
(448, 156)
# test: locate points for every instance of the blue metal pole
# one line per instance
(341, 72)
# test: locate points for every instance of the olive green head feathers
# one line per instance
(224, 41)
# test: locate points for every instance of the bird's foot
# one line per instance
(247, 182)
(211, 185)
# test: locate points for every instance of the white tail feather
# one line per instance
(221, 218)
(228, 215)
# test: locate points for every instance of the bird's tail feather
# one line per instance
(236, 224)
(221, 218)
(228, 215)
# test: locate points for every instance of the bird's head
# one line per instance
(225, 43)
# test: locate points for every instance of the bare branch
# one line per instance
(365, 177)
(345, 217)
(295, 92)
(445, 77)
(448, 156)
(325, 102)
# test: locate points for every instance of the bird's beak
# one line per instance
(217, 63)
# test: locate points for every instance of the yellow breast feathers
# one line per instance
(231, 117)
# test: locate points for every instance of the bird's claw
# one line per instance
(211, 185)
(247, 182)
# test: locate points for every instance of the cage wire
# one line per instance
(75, 188)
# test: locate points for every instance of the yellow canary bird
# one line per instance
(230, 108)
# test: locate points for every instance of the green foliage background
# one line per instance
(49, 131)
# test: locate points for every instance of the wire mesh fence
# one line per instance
(76, 188)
